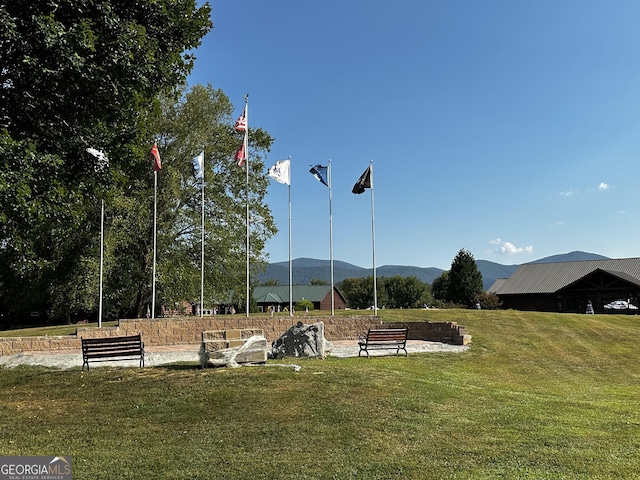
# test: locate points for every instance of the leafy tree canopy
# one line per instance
(393, 292)
(440, 286)
(76, 74)
(80, 70)
(200, 121)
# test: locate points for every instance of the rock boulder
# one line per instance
(301, 340)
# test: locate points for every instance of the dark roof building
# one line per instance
(278, 296)
(570, 286)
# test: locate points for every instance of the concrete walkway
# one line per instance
(163, 355)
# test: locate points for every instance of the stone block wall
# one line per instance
(13, 345)
(445, 332)
(188, 331)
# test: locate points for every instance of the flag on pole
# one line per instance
(154, 158)
(198, 163)
(102, 162)
(363, 182)
(241, 123)
(280, 172)
(320, 172)
(241, 154)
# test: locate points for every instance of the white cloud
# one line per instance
(603, 186)
(568, 193)
(508, 248)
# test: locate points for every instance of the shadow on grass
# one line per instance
(182, 366)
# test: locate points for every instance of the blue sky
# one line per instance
(511, 129)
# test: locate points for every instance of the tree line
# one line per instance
(459, 286)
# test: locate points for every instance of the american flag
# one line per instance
(241, 123)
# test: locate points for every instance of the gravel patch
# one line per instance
(72, 360)
(190, 354)
(343, 349)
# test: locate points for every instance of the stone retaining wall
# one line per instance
(188, 331)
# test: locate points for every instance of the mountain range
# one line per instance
(307, 269)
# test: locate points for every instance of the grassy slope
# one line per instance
(537, 396)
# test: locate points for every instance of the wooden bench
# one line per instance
(111, 349)
(388, 339)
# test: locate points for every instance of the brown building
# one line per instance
(570, 286)
(278, 296)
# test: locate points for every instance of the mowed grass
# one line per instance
(540, 396)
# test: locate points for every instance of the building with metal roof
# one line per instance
(570, 286)
(277, 296)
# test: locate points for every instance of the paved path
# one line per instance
(162, 355)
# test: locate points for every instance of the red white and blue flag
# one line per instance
(241, 123)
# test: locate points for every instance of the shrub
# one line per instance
(302, 305)
(489, 301)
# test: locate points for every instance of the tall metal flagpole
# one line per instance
(290, 260)
(333, 301)
(155, 208)
(373, 243)
(103, 162)
(202, 240)
(246, 153)
(101, 262)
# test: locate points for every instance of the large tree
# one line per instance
(440, 286)
(406, 292)
(76, 74)
(465, 280)
(199, 120)
(81, 70)
(359, 291)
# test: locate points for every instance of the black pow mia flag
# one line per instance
(363, 182)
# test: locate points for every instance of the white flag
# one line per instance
(280, 172)
(103, 161)
(198, 165)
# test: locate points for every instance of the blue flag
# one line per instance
(320, 173)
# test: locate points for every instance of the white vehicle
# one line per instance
(620, 305)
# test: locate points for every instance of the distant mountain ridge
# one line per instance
(307, 269)
(571, 257)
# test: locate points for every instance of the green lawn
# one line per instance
(536, 396)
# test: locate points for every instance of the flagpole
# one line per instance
(155, 208)
(333, 301)
(290, 260)
(101, 261)
(246, 150)
(202, 241)
(373, 244)
(103, 161)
